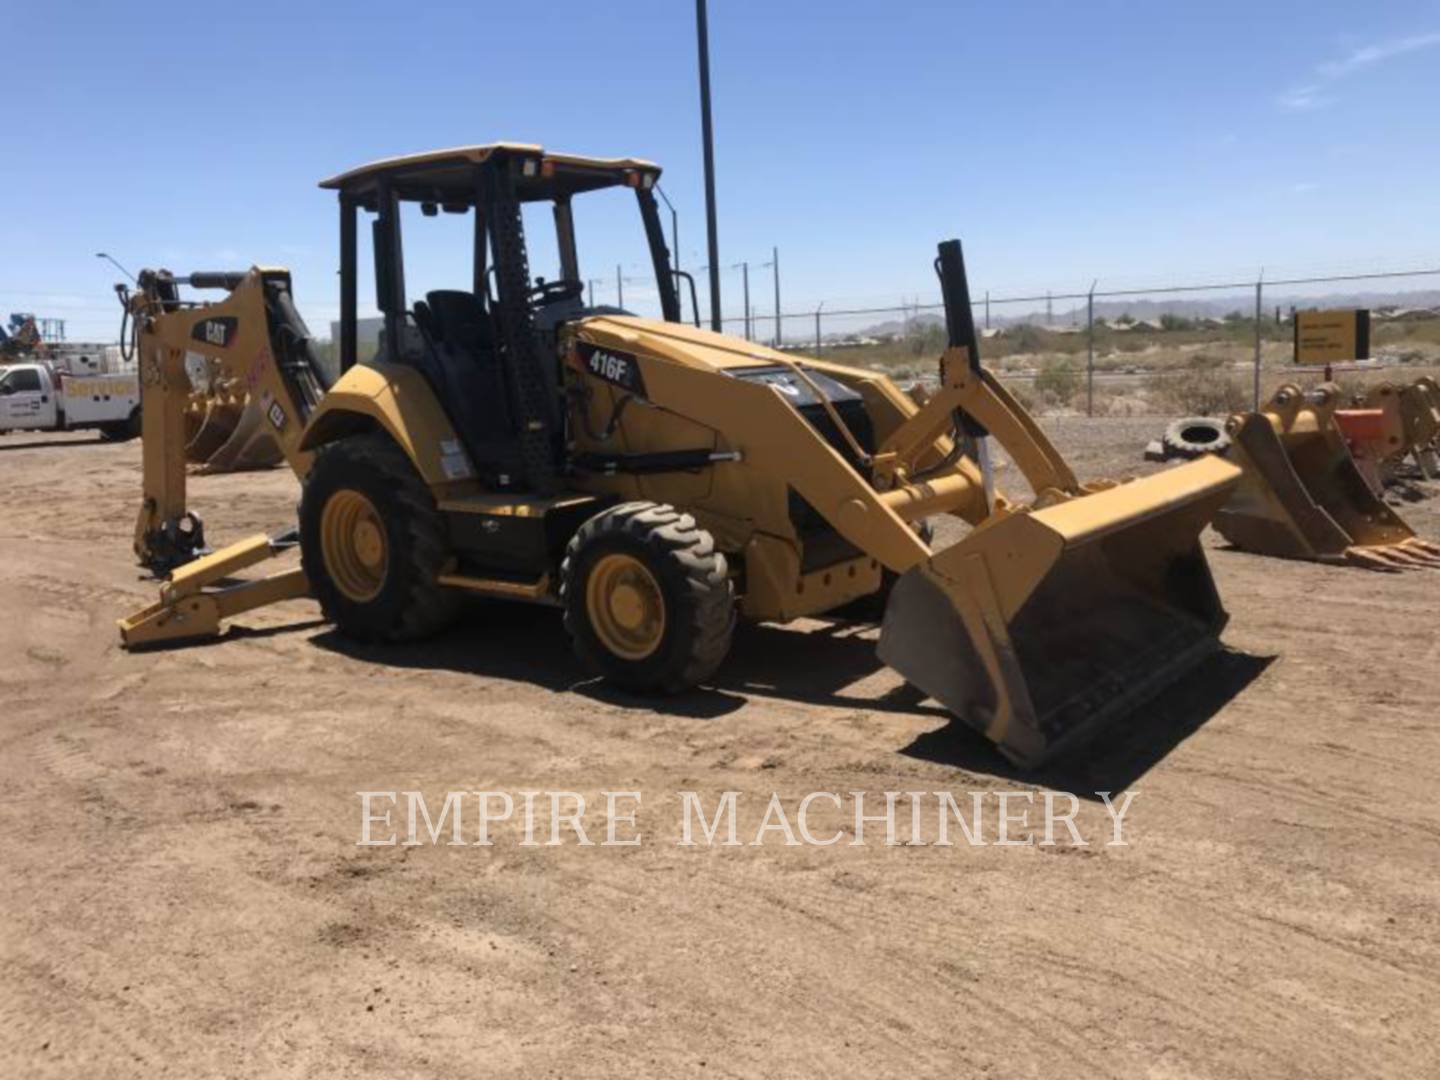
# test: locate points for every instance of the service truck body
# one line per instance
(36, 397)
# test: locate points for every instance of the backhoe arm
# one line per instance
(252, 340)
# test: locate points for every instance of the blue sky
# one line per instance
(1140, 144)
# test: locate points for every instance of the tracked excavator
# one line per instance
(655, 481)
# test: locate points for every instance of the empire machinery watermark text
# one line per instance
(735, 819)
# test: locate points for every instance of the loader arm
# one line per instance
(251, 339)
(981, 396)
(1050, 620)
(973, 403)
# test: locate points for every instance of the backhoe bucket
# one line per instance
(1302, 495)
(1043, 626)
(216, 425)
(251, 443)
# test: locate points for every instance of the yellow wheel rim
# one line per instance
(352, 539)
(625, 606)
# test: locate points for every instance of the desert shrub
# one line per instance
(1027, 338)
(927, 339)
(1175, 322)
(1058, 382)
(1023, 394)
(1203, 361)
(1130, 343)
(1198, 392)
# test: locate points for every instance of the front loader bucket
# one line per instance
(1043, 626)
(1303, 497)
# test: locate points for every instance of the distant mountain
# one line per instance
(899, 327)
(1142, 308)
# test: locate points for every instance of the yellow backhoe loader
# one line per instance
(654, 480)
(1303, 496)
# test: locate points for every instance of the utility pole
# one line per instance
(774, 265)
(1089, 349)
(712, 232)
(590, 285)
(817, 326)
(619, 287)
(1259, 301)
(744, 268)
(775, 268)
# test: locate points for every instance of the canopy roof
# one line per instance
(447, 176)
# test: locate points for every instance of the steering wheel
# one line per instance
(552, 292)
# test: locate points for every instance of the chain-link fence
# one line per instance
(1203, 348)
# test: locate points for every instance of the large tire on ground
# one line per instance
(1196, 436)
(373, 543)
(648, 600)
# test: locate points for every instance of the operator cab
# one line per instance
(489, 351)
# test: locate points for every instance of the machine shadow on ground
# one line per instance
(819, 665)
(1120, 754)
(51, 444)
(528, 644)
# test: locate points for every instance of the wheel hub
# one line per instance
(353, 543)
(626, 606)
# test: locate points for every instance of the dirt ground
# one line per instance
(185, 895)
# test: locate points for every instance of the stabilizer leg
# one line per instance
(190, 604)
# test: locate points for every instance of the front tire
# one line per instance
(373, 543)
(649, 604)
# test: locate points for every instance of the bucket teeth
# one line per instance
(215, 427)
(1372, 559)
(1424, 546)
(1395, 558)
(250, 444)
(230, 434)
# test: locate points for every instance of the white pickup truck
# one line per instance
(37, 397)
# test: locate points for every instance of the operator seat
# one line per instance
(460, 319)
(466, 373)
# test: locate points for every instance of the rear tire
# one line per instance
(649, 604)
(373, 543)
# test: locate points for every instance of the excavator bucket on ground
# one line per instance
(1418, 409)
(1390, 425)
(1302, 495)
(1426, 392)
